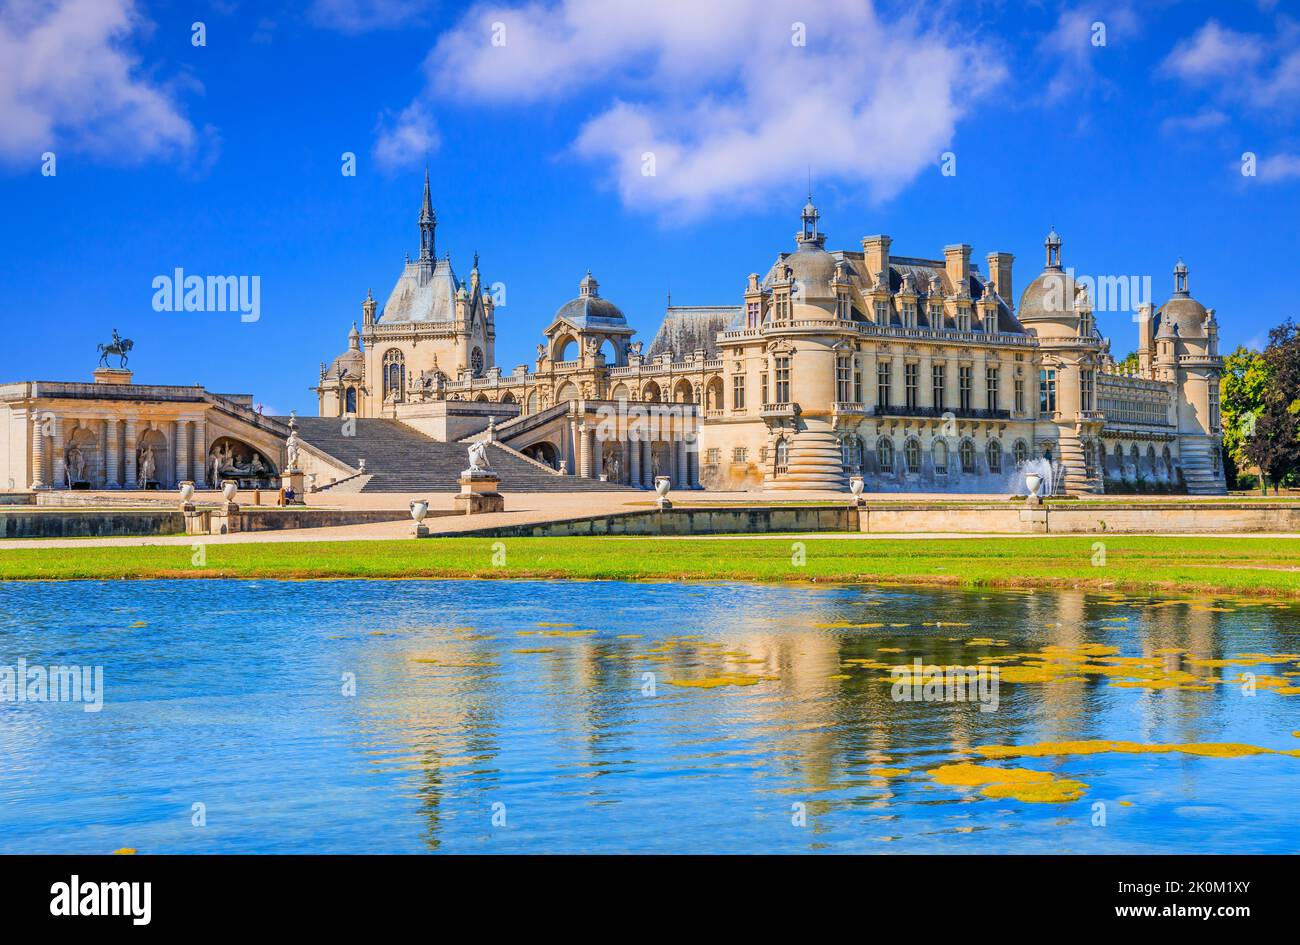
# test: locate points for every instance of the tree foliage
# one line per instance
(1241, 398)
(1275, 444)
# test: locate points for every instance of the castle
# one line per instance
(917, 374)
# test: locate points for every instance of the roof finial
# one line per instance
(428, 223)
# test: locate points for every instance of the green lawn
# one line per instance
(1263, 566)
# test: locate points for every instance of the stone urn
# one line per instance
(662, 485)
(1034, 482)
(856, 485)
(229, 489)
(187, 492)
(419, 509)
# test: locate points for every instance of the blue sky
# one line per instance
(225, 159)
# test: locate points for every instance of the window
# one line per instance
(1215, 418)
(783, 380)
(782, 455)
(936, 315)
(937, 373)
(882, 383)
(885, 454)
(963, 318)
(843, 379)
(394, 375)
(476, 362)
(994, 452)
(751, 315)
(910, 384)
(781, 303)
(940, 451)
(882, 313)
(1020, 395)
(909, 314)
(740, 455)
(1047, 391)
(1021, 452)
(991, 380)
(964, 381)
(967, 453)
(763, 385)
(351, 401)
(857, 382)
(912, 455)
(842, 306)
(712, 456)
(1087, 390)
(738, 391)
(851, 454)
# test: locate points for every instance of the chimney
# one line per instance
(1000, 273)
(875, 250)
(957, 261)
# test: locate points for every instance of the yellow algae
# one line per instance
(1048, 792)
(567, 633)
(900, 624)
(1098, 747)
(1125, 803)
(124, 851)
(965, 774)
(888, 772)
(138, 624)
(547, 624)
(889, 649)
(628, 636)
(839, 676)
(712, 682)
(539, 649)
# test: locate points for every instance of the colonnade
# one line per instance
(108, 451)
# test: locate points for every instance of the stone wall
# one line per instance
(75, 523)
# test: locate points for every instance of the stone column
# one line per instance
(647, 464)
(199, 453)
(925, 381)
(103, 453)
(128, 454)
(634, 459)
(112, 455)
(597, 455)
(584, 452)
(952, 385)
(869, 397)
(181, 449)
(57, 445)
(898, 381)
(573, 446)
(979, 398)
(693, 463)
(683, 463)
(38, 452)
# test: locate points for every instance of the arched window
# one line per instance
(651, 393)
(967, 453)
(350, 401)
(851, 453)
(1151, 458)
(476, 362)
(782, 455)
(885, 454)
(394, 375)
(1021, 452)
(507, 398)
(531, 402)
(941, 457)
(1133, 455)
(994, 451)
(912, 455)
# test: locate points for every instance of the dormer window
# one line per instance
(963, 318)
(751, 315)
(843, 310)
(882, 313)
(909, 314)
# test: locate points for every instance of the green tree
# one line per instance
(1241, 398)
(1275, 444)
(1130, 362)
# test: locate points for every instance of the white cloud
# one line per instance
(68, 78)
(408, 140)
(1279, 167)
(1207, 119)
(1213, 52)
(731, 108)
(358, 16)
(1257, 71)
(1069, 47)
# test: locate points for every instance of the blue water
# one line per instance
(231, 695)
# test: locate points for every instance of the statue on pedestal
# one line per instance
(148, 465)
(118, 346)
(75, 466)
(478, 458)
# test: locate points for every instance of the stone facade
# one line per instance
(918, 374)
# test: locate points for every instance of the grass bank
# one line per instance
(1232, 565)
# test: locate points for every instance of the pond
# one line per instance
(512, 716)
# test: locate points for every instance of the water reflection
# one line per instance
(547, 716)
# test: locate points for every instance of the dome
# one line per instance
(589, 308)
(812, 269)
(1182, 311)
(1051, 295)
(350, 362)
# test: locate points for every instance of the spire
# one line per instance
(1053, 245)
(1180, 278)
(428, 223)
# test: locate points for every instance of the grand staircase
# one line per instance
(400, 459)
